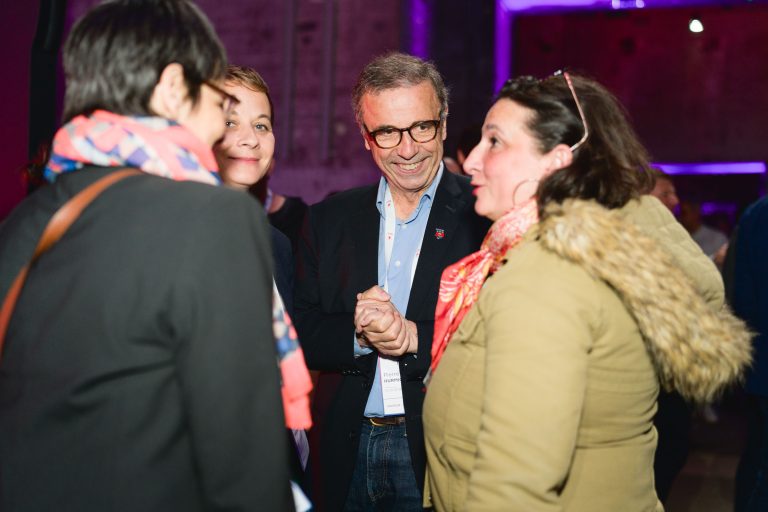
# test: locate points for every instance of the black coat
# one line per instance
(139, 370)
(338, 257)
(282, 258)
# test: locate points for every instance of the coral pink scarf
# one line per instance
(461, 282)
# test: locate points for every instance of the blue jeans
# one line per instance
(752, 474)
(383, 479)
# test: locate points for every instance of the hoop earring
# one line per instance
(517, 187)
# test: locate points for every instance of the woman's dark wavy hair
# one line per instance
(611, 166)
(114, 55)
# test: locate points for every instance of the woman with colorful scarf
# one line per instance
(139, 366)
(551, 342)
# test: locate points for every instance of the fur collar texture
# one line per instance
(696, 350)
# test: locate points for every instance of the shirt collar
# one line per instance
(428, 194)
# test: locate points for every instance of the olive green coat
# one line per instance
(544, 398)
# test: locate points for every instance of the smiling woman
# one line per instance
(245, 154)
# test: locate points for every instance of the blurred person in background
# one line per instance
(711, 240)
(664, 189)
(750, 302)
(673, 418)
(468, 139)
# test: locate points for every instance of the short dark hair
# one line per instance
(611, 166)
(659, 174)
(114, 55)
(469, 138)
(394, 70)
(251, 79)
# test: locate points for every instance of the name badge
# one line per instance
(391, 391)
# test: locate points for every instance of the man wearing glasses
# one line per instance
(368, 273)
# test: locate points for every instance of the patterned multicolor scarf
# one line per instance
(153, 144)
(293, 370)
(461, 282)
(164, 148)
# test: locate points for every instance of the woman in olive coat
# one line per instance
(551, 342)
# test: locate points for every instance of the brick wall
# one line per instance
(255, 34)
(692, 97)
(17, 26)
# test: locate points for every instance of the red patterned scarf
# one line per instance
(461, 282)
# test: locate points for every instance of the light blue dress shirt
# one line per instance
(408, 236)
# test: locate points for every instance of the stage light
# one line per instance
(695, 25)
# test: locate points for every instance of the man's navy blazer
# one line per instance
(338, 258)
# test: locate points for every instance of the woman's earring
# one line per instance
(517, 187)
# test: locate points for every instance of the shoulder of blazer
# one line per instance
(455, 193)
(346, 203)
(455, 184)
(457, 187)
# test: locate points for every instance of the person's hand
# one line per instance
(375, 292)
(719, 256)
(380, 325)
(370, 303)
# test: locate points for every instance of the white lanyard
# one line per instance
(391, 389)
(390, 222)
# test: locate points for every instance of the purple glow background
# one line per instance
(713, 168)
(503, 45)
(571, 5)
(420, 28)
(507, 9)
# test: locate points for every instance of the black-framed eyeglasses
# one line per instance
(578, 107)
(389, 136)
(230, 100)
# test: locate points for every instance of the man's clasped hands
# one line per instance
(380, 326)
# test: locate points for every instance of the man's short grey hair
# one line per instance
(394, 70)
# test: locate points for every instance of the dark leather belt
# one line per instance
(386, 421)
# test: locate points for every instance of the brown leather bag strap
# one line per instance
(56, 227)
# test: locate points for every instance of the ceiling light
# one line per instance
(695, 25)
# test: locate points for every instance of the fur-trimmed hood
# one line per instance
(696, 349)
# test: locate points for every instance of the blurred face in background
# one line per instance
(246, 152)
(664, 191)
